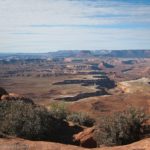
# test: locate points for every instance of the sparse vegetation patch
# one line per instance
(121, 128)
(26, 120)
(81, 119)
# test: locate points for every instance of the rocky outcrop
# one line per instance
(16, 97)
(3, 92)
(84, 95)
(103, 83)
(105, 65)
(85, 138)
(129, 62)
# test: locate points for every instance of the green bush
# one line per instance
(26, 120)
(59, 110)
(121, 128)
(81, 119)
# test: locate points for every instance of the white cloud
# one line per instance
(63, 18)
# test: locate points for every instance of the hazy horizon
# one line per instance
(39, 26)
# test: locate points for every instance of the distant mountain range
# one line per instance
(79, 54)
(107, 53)
(130, 53)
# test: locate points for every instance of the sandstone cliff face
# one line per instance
(85, 138)
(20, 144)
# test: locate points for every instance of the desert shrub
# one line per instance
(59, 110)
(121, 128)
(81, 119)
(26, 120)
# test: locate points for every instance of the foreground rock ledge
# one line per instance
(21, 144)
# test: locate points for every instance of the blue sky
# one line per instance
(49, 25)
